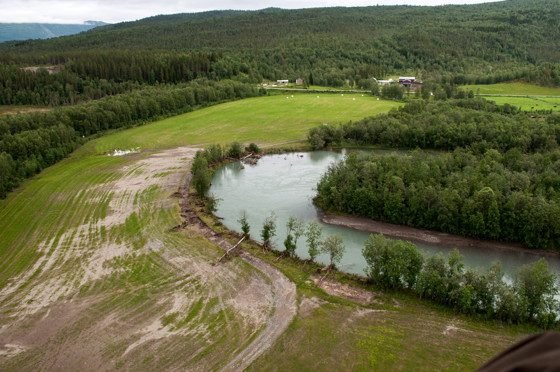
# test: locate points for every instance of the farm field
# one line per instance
(513, 89)
(529, 103)
(92, 273)
(263, 120)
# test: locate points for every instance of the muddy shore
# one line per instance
(422, 236)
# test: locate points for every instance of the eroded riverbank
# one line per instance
(424, 236)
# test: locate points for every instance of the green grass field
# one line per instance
(92, 274)
(529, 103)
(513, 89)
(263, 120)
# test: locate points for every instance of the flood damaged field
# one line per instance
(114, 287)
(94, 276)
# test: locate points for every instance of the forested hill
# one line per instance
(24, 31)
(482, 43)
(479, 38)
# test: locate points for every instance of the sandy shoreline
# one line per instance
(423, 236)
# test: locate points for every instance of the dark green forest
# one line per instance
(92, 75)
(485, 171)
(481, 43)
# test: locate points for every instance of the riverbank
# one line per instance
(423, 236)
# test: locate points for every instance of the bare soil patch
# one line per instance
(420, 235)
(346, 291)
(47, 322)
(22, 110)
(282, 297)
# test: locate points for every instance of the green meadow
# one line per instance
(529, 103)
(515, 89)
(263, 120)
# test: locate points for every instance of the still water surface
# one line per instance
(285, 184)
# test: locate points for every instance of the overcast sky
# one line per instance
(113, 11)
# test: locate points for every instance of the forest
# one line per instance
(92, 75)
(482, 43)
(477, 169)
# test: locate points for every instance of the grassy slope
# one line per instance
(529, 103)
(60, 255)
(513, 89)
(394, 333)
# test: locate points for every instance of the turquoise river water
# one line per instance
(285, 184)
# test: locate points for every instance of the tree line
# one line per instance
(476, 124)
(31, 142)
(396, 264)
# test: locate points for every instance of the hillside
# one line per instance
(25, 31)
(462, 39)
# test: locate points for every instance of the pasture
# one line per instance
(263, 120)
(92, 273)
(529, 103)
(514, 89)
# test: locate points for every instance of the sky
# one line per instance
(114, 11)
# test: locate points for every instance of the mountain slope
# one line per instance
(343, 43)
(24, 31)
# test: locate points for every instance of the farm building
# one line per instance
(407, 80)
(282, 81)
(384, 82)
(299, 81)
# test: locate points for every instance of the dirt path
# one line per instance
(420, 235)
(284, 143)
(283, 291)
(284, 300)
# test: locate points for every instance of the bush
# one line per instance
(392, 263)
(253, 148)
(235, 150)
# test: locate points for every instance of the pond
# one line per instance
(285, 185)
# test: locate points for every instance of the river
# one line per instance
(285, 185)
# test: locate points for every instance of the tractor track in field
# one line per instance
(51, 331)
(283, 290)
